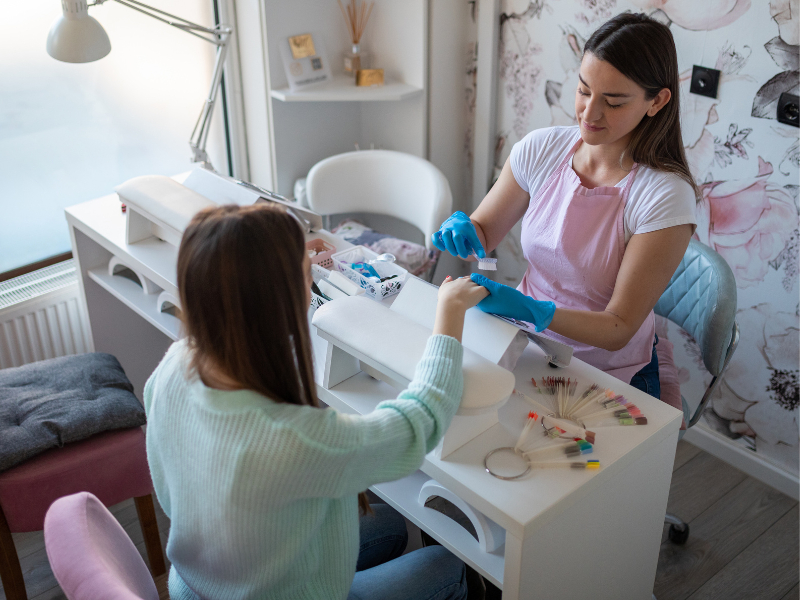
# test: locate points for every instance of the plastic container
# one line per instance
(317, 301)
(318, 273)
(324, 252)
(374, 289)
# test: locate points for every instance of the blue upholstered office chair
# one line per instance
(701, 299)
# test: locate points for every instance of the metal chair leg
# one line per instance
(673, 520)
(10, 571)
(678, 529)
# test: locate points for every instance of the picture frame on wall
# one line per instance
(305, 61)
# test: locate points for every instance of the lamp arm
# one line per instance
(218, 36)
(173, 20)
(199, 137)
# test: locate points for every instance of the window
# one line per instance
(72, 132)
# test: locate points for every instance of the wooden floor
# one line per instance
(743, 542)
(743, 538)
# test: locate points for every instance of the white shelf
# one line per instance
(344, 89)
(134, 297)
(403, 495)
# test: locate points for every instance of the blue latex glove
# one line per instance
(457, 236)
(508, 302)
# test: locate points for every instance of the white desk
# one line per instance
(569, 534)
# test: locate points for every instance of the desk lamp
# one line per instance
(78, 38)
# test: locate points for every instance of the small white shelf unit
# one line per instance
(311, 124)
(342, 89)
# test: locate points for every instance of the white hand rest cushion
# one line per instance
(393, 343)
(163, 199)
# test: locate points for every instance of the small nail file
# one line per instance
(344, 284)
(330, 290)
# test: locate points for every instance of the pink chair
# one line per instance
(91, 555)
(111, 465)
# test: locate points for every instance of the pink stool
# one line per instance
(111, 465)
(91, 555)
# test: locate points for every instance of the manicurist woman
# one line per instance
(260, 484)
(607, 206)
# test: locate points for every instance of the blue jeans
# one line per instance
(430, 573)
(647, 379)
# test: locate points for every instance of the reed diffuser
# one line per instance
(356, 16)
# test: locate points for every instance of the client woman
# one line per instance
(260, 484)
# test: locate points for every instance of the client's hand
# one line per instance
(508, 302)
(456, 296)
(461, 294)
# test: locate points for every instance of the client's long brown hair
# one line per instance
(242, 288)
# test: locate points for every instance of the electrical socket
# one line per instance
(705, 81)
(789, 109)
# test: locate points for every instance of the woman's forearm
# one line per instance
(649, 262)
(600, 329)
(503, 206)
(448, 322)
(481, 236)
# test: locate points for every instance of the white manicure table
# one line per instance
(555, 534)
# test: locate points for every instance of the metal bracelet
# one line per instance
(504, 477)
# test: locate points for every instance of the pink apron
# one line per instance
(573, 239)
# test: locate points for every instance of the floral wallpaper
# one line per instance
(745, 162)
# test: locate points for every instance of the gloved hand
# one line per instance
(508, 302)
(457, 236)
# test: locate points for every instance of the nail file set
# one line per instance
(540, 446)
(544, 439)
(558, 427)
(595, 407)
(485, 264)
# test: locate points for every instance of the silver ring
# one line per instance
(548, 430)
(504, 477)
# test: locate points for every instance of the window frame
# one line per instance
(233, 123)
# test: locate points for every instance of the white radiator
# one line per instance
(41, 316)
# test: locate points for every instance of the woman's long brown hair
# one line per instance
(643, 50)
(242, 285)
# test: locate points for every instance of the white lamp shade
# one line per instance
(76, 37)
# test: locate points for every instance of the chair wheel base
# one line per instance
(678, 535)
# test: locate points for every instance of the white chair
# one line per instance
(384, 182)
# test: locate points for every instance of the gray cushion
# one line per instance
(54, 402)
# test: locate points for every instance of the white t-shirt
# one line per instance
(657, 199)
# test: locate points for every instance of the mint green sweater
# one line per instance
(262, 495)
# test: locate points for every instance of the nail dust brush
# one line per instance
(485, 264)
